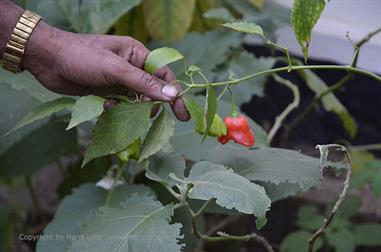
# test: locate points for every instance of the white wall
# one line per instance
(328, 41)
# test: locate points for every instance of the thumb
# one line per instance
(145, 83)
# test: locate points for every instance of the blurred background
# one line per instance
(39, 164)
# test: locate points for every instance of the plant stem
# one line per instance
(367, 147)
(331, 89)
(288, 69)
(114, 183)
(293, 105)
(202, 209)
(338, 203)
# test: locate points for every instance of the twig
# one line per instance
(331, 89)
(114, 184)
(293, 105)
(366, 147)
(342, 196)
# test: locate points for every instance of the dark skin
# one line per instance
(80, 64)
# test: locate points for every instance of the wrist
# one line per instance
(10, 14)
(42, 48)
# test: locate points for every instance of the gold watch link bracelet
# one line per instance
(15, 48)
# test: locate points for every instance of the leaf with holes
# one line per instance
(305, 14)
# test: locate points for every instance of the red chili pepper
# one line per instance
(238, 130)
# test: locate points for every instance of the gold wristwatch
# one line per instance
(15, 48)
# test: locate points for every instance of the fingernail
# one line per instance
(169, 91)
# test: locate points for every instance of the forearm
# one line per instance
(9, 15)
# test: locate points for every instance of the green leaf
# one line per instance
(219, 13)
(298, 242)
(43, 111)
(131, 152)
(243, 65)
(376, 183)
(350, 207)
(330, 101)
(168, 20)
(75, 209)
(118, 128)
(368, 234)
(141, 224)
(6, 228)
(85, 109)
(309, 218)
(216, 181)
(26, 82)
(160, 57)
(217, 128)
(163, 164)
(95, 16)
(269, 164)
(282, 190)
(210, 108)
(53, 142)
(341, 239)
(245, 28)
(216, 44)
(158, 135)
(305, 14)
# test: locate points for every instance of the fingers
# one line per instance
(179, 109)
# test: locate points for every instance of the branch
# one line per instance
(293, 105)
(367, 147)
(327, 221)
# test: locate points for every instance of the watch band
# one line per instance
(15, 48)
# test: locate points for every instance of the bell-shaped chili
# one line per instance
(238, 130)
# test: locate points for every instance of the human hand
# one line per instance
(77, 64)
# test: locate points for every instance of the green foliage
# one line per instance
(118, 128)
(330, 102)
(85, 109)
(243, 65)
(140, 224)
(161, 57)
(168, 20)
(246, 28)
(216, 181)
(209, 109)
(6, 228)
(44, 110)
(53, 142)
(297, 242)
(94, 16)
(269, 164)
(78, 207)
(305, 15)
(158, 135)
(219, 13)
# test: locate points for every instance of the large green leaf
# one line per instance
(368, 234)
(85, 109)
(330, 101)
(12, 112)
(230, 190)
(162, 165)
(26, 82)
(161, 57)
(118, 128)
(141, 224)
(269, 164)
(75, 209)
(243, 65)
(168, 20)
(305, 14)
(95, 16)
(38, 148)
(44, 110)
(158, 135)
